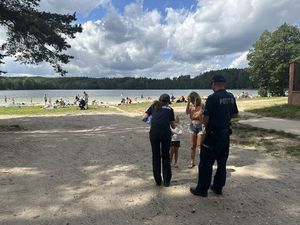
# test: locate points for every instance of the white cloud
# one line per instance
(240, 61)
(222, 27)
(118, 43)
(214, 35)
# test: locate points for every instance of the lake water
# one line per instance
(106, 96)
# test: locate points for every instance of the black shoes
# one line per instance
(166, 184)
(216, 191)
(197, 192)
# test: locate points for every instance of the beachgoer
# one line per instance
(220, 107)
(86, 99)
(77, 98)
(175, 142)
(160, 138)
(5, 99)
(45, 99)
(182, 99)
(82, 104)
(172, 98)
(194, 109)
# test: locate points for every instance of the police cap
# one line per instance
(165, 98)
(218, 79)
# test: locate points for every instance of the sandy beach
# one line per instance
(96, 169)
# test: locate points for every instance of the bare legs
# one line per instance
(196, 141)
(174, 153)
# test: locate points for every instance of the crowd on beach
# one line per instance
(209, 133)
(244, 95)
(82, 101)
(136, 99)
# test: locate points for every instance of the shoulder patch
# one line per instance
(226, 101)
(166, 107)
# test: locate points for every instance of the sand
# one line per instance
(96, 169)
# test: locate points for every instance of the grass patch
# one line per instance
(294, 150)
(135, 108)
(258, 103)
(277, 143)
(38, 110)
(279, 111)
(270, 107)
(142, 107)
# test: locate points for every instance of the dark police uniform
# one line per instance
(160, 138)
(220, 107)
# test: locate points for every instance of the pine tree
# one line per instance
(35, 36)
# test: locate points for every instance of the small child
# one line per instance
(175, 142)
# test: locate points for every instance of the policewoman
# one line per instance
(220, 107)
(160, 138)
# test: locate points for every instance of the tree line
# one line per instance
(236, 79)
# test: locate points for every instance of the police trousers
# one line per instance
(160, 142)
(215, 147)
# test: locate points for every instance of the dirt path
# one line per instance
(96, 169)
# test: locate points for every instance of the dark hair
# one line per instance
(195, 98)
(157, 105)
(165, 98)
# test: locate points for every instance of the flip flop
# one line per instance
(191, 166)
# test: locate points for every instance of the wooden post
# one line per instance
(294, 84)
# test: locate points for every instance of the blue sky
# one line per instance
(161, 38)
(160, 5)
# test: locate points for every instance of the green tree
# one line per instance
(34, 36)
(270, 56)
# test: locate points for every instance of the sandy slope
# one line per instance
(96, 169)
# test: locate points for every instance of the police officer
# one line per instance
(219, 109)
(160, 137)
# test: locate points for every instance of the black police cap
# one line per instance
(218, 79)
(165, 98)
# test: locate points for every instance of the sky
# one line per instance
(161, 38)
